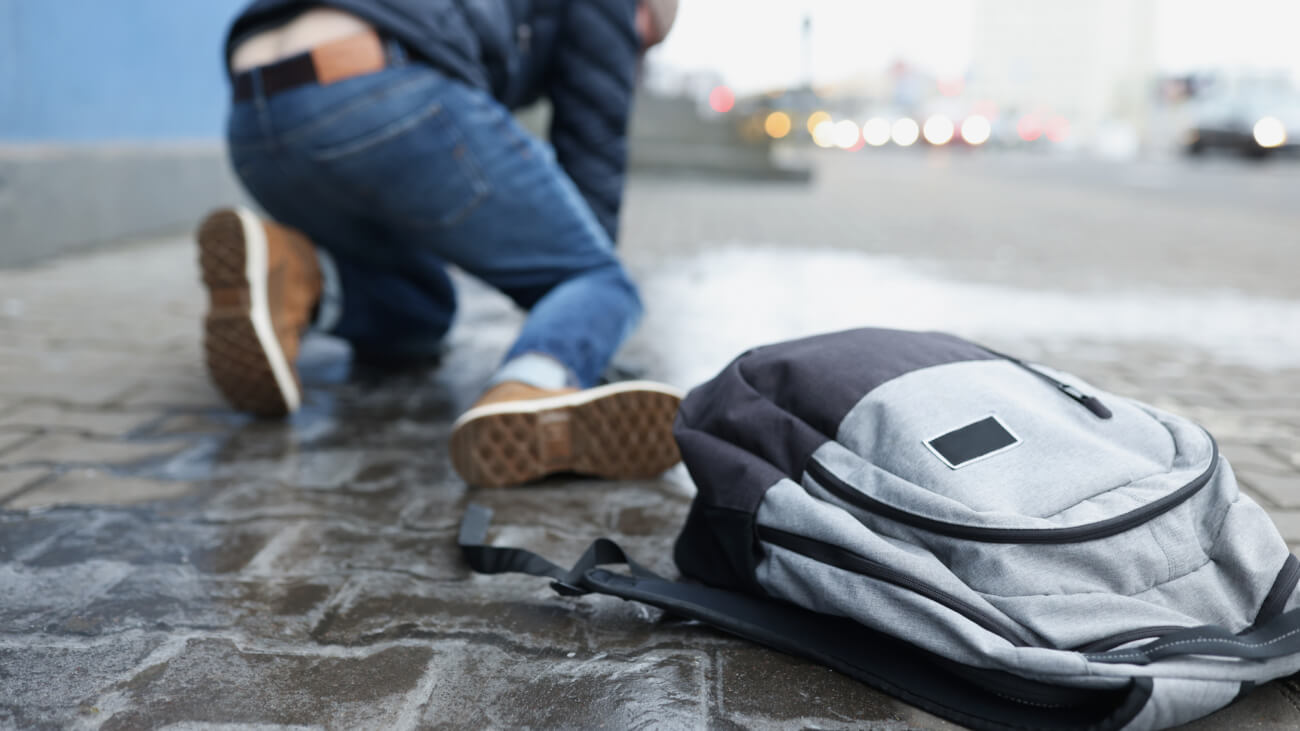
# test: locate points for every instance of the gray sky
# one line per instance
(755, 44)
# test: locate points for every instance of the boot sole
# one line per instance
(619, 431)
(243, 354)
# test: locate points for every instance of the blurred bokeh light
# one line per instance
(976, 130)
(846, 134)
(876, 131)
(777, 125)
(815, 119)
(938, 130)
(824, 133)
(1269, 132)
(722, 99)
(905, 132)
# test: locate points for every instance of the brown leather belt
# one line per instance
(363, 53)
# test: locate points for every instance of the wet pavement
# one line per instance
(165, 562)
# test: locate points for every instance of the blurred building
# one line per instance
(111, 118)
(128, 70)
(1092, 63)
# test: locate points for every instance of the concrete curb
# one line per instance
(60, 199)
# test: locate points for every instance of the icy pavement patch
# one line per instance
(705, 310)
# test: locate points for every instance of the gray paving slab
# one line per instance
(89, 422)
(563, 688)
(71, 449)
(757, 688)
(1282, 491)
(92, 387)
(62, 680)
(340, 688)
(116, 600)
(1288, 524)
(194, 393)
(1256, 459)
(93, 487)
(13, 481)
(1291, 454)
(9, 440)
(167, 561)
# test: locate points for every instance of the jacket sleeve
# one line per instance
(591, 81)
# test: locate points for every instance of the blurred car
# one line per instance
(1254, 122)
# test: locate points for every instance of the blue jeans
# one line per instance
(397, 174)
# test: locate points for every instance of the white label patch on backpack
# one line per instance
(974, 442)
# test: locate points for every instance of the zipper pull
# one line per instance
(1091, 403)
(524, 37)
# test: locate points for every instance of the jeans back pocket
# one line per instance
(399, 151)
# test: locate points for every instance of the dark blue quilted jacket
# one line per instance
(581, 54)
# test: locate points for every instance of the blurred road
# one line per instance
(1008, 218)
(166, 561)
(1213, 179)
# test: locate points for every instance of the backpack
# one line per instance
(995, 542)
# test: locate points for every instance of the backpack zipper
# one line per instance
(1281, 591)
(852, 562)
(1123, 638)
(1091, 403)
(1077, 534)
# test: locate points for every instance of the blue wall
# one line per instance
(99, 70)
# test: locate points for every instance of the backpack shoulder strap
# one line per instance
(487, 559)
(976, 697)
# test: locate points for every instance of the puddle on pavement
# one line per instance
(704, 311)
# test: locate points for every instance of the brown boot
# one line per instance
(518, 433)
(263, 282)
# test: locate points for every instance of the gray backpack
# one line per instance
(995, 542)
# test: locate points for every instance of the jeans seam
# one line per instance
(387, 132)
(350, 106)
(474, 176)
(472, 169)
